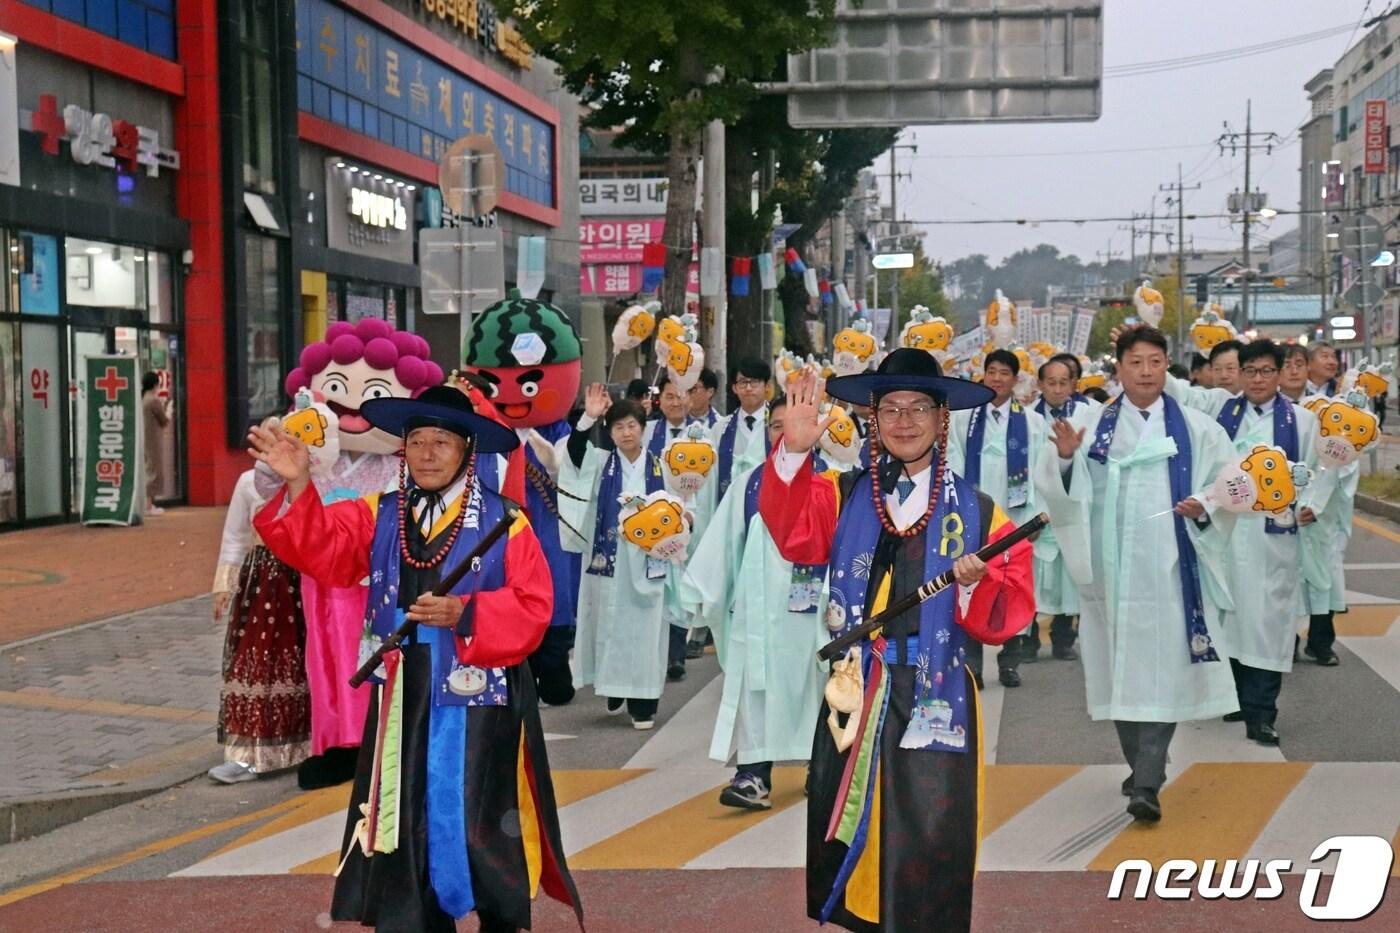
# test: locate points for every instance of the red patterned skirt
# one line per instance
(265, 707)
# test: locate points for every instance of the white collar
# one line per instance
(1155, 409)
(1004, 407)
(760, 415)
(426, 517)
(1266, 407)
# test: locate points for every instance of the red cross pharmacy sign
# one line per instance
(112, 451)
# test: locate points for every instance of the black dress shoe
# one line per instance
(1065, 654)
(675, 672)
(1030, 654)
(1144, 805)
(1322, 658)
(1009, 677)
(1236, 716)
(1128, 786)
(694, 649)
(1262, 732)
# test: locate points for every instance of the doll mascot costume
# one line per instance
(354, 364)
(529, 355)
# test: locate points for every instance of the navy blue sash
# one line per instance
(1018, 447)
(603, 561)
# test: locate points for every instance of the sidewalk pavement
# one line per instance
(55, 577)
(96, 713)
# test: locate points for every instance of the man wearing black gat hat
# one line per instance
(453, 746)
(892, 836)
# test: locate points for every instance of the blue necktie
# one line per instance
(1057, 413)
(903, 487)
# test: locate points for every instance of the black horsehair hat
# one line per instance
(910, 370)
(440, 407)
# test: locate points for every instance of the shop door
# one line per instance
(41, 412)
(85, 342)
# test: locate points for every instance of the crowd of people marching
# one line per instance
(1197, 520)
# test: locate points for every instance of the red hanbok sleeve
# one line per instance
(509, 623)
(801, 515)
(1003, 601)
(329, 543)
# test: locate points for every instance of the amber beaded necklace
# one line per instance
(442, 552)
(935, 490)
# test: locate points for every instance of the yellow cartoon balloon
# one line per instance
(667, 330)
(633, 326)
(840, 441)
(688, 461)
(656, 524)
(1210, 329)
(925, 331)
(1372, 379)
(1264, 481)
(1001, 320)
(853, 348)
(1345, 428)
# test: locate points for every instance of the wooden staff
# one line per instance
(444, 586)
(838, 646)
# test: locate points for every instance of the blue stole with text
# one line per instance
(1018, 447)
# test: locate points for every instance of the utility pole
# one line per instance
(894, 177)
(1180, 190)
(1250, 201)
(1152, 235)
(1132, 230)
(713, 310)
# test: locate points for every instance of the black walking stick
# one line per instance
(452, 578)
(838, 646)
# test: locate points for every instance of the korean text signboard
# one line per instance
(638, 197)
(1377, 137)
(360, 76)
(113, 457)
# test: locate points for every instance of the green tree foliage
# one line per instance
(665, 68)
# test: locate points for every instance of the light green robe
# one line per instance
(1132, 633)
(1324, 543)
(1266, 573)
(746, 457)
(739, 584)
(1055, 590)
(621, 641)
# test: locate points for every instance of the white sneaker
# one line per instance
(232, 772)
(643, 724)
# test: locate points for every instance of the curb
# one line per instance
(1378, 507)
(26, 817)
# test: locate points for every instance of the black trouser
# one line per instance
(675, 650)
(1321, 634)
(1015, 649)
(1062, 633)
(974, 656)
(762, 769)
(642, 709)
(549, 663)
(1145, 747)
(1258, 691)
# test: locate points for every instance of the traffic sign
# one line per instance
(893, 260)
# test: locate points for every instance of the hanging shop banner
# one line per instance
(112, 465)
(362, 77)
(1377, 137)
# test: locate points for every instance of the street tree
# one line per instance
(664, 69)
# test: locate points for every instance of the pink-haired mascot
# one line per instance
(355, 363)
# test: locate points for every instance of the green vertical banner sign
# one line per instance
(112, 460)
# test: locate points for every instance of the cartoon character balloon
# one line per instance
(316, 425)
(1001, 320)
(925, 331)
(1264, 481)
(668, 330)
(1095, 377)
(1210, 329)
(853, 348)
(688, 460)
(633, 326)
(655, 523)
(840, 441)
(1369, 378)
(359, 362)
(1149, 303)
(787, 366)
(1346, 428)
(530, 354)
(687, 356)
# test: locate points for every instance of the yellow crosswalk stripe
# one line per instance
(1012, 788)
(656, 843)
(1213, 810)
(309, 806)
(1366, 621)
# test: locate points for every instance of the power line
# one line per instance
(1061, 152)
(1223, 55)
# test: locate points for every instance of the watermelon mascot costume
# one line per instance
(528, 355)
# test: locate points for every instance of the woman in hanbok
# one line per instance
(264, 705)
(624, 593)
(452, 809)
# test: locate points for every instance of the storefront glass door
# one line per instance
(11, 390)
(42, 412)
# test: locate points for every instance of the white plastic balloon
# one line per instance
(633, 326)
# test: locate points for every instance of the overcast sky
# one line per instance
(958, 171)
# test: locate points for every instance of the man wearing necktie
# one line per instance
(661, 432)
(1125, 499)
(700, 400)
(995, 446)
(1267, 571)
(1055, 592)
